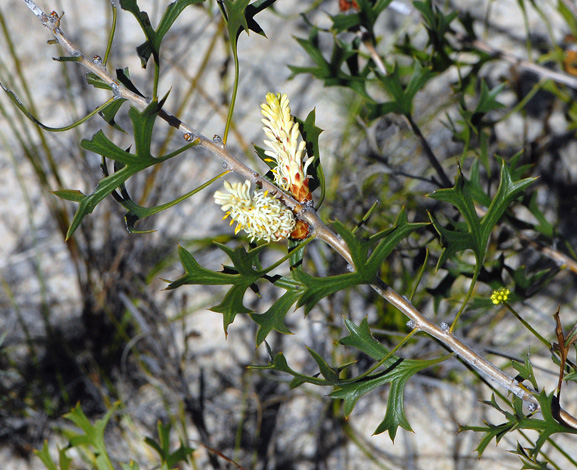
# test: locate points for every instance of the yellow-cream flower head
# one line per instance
(285, 149)
(260, 215)
(500, 295)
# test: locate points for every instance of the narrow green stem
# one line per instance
(562, 452)
(112, 32)
(156, 79)
(233, 97)
(383, 360)
(529, 327)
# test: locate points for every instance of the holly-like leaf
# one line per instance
(397, 372)
(169, 459)
(362, 339)
(331, 72)
(92, 436)
(280, 364)
(516, 419)
(487, 102)
(242, 276)
(154, 37)
(366, 262)
(330, 374)
(273, 318)
(129, 163)
(236, 21)
(475, 235)
(525, 372)
(310, 134)
(240, 15)
(438, 25)
(45, 457)
(109, 114)
(317, 288)
(488, 99)
(401, 95)
(366, 17)
(389, 239)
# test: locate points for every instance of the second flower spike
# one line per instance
(284, 147)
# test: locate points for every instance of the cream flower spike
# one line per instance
(261, 216)
(285, 149)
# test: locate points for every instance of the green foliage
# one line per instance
(91, 440)
(331, 72)
(475, 235)
(389, 369)
(92, 443)
(304, 289)
(239, 17)
(242, 276)
(368, 256)
(366, 17)
(63, 460)
(126, 163)
(397, 372)
(169, 459)
(273, 318)
(154, 37)
(401, 95)
(517, 420)
(92, 436)
(438, 25)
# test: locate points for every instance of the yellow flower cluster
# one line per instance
(260, 215)
(500, 295)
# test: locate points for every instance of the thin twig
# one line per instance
(306, 213)
(445, 181)
(557, 77)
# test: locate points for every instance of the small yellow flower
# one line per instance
(500, 295)
(261, 216)
(285, 149)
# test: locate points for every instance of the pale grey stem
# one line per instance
(34, 8)
(557, 77)
(475, 360)
(304, 212)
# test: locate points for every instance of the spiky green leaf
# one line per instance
(395, 370)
